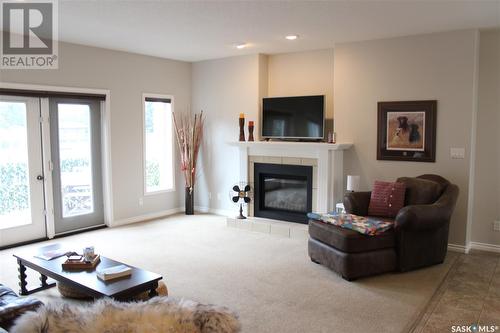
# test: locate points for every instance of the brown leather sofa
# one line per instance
(13, 306)
(419, 237)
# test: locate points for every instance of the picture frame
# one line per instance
(406, 131)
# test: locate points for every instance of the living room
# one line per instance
(433, 64)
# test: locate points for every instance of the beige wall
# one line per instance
(223, 88)
(302, 73)
(127, 76)
(436, 66)
(487, 172)
(263, 88)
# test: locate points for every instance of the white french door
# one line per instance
(75, 136)
(50, 170)
(22, 212)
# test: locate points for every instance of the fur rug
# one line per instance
(159, 314)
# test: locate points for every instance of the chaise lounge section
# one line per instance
(419, 237)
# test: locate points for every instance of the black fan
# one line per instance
(239, 194)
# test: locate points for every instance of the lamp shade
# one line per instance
(352, 183)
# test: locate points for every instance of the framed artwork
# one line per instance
(407, 131)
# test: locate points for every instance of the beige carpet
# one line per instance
(267, 279)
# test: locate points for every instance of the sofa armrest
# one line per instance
(357, 202)
(420, 217)
(13, 306)
(427, 217)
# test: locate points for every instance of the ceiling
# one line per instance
(199, 30)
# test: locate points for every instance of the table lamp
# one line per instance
(352, 183)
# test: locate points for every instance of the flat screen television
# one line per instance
(298, 117)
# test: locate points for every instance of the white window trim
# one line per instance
(173, 189)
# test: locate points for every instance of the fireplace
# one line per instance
(283, 192)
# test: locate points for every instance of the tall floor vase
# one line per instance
(189, 200)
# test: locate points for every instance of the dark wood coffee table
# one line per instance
(86, 281)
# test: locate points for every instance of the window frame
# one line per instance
(144, 180)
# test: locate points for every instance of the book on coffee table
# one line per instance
(52, 251)
(113, 272)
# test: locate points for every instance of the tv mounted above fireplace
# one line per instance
(298, 117)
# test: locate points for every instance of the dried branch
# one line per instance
(189, 134)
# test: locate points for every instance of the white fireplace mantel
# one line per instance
(330, 164)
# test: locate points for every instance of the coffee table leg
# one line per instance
(23, 283)
(22, 278)
(152, 291)
(43, 281)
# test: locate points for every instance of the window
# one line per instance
(158, 144)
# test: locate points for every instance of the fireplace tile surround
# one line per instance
(325, 159)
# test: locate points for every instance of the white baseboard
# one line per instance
(202, 209)
(146, 217)
(223, 212)
(168, 212)
(484, 247)
(458, 248)
(474, 246)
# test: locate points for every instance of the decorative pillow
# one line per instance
(386, 199)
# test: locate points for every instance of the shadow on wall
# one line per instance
(203, 183)
(353, 166)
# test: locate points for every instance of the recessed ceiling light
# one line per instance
(292, 37)
(241, 46)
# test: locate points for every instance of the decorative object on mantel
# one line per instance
(352, 183)
(331, 137)
(239, 192)
(242, 126)
(189, 133)
(407, 131)
(250, 130)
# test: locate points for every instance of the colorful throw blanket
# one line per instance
(364, 225)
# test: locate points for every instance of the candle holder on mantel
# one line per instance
(250, 130)
(242, 127)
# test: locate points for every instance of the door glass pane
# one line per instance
(75, 159)
(14, 173)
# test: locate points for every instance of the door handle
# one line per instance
(39, 177)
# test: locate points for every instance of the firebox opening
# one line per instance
(283, 192)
